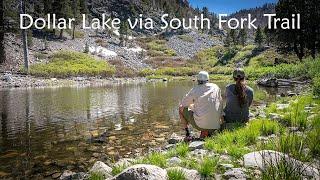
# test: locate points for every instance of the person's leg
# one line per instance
(184, 119)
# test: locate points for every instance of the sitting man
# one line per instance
(202, 107)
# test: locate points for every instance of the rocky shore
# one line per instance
(8, 80)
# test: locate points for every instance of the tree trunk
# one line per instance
(24, 39)
(61, 34)
(73, 30)
(2, 52)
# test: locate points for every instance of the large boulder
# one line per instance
(101, 168)
(190, 174)
(142, 172)
(266, 158)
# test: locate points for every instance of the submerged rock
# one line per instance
(266, 158)
(102, 168)
(142, 172)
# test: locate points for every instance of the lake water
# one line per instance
(47, 130)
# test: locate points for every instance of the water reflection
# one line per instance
(56, 123)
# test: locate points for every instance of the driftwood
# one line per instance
(274, 82)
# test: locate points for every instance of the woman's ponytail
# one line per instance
(241, 91)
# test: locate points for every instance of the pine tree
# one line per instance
(242, 37)
(259, 37)
(234, 36)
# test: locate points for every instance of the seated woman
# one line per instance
(239, 98)
(201, 107)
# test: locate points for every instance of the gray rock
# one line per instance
(275, 116)
(189, 174)
(282, 106)
(226, 166)
(80, 176)
(174, 139)
(263, 138)
(196, 145)
(174, 161)
(102, 168)
(170, 146)
(124, 162)
(66, 175)
(225, 158)
(142, 172)
(266, 158)
(199, 152)
(235, 173)
(293, 129)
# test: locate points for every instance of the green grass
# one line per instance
(208, 166)
(282, 170)
(235, 142)
(155, 158)
(69, 64)
(96, 176)
(181, 150)
(176, 174)
(316, 86)
(118, 169)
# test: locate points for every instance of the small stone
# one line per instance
(96, 155)
(293, 129)
(263, 138)
(170, 146)
(235, 173)
(275, 116)
(174, 139)
(142, 171)
(100, 167)
(282, 106)
(66, 175)
(56, 175)
(174, 161)
(199, 152)
(226, 166)
(196, 145)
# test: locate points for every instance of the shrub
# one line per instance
(69, 63)
(316, 86)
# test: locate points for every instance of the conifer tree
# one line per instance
(242, 37)
(259, 38)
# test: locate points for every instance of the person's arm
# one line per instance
(187, 100)
(251, 94)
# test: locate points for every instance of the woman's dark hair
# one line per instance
(241, 91)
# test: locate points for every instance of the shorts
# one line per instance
(188, 116)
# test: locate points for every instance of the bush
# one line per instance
(69, 64)
(316, 86)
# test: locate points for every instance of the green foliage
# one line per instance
(118, 169)
(282, 170)
(316, 86)
(259, 38)
(68, 64)
(181, 150)
(176, 174)
(159, 48)
(157, 159)
(235, 142)
(208, 166)
(96, 176)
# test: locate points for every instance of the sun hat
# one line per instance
(203, 76)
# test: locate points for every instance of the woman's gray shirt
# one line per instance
(233, 111)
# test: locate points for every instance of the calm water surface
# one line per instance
(44, 130)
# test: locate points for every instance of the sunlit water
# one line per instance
(44, 130)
